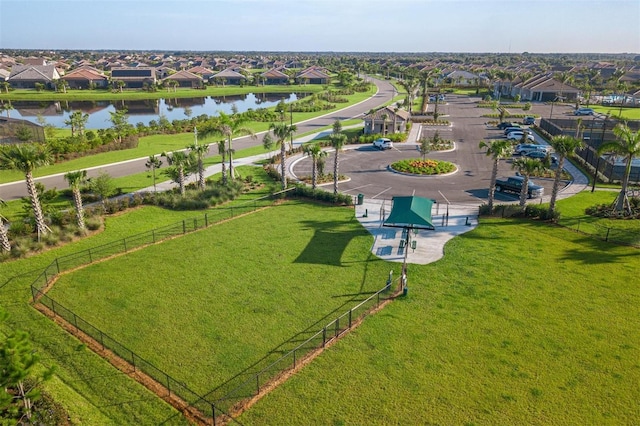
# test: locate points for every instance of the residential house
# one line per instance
(202, 71)
(544, 88)
(229, 76)
(184, 79)
(134, 77)
(386, 120)
(86, 78)
(313, 75)
(462, 78)
(27, 76)
(274, 76)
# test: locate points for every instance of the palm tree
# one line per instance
(337, 141)
(336, 127)
(76, 179)
(5, 85)
(564, 146)
(77, 120)
(282, 132)
(153, 163)
(497, 150)
(199, 151)
(526, 167)
(181, 163)
(315, 152)
(627, 145)
(5, 245)
(26, 158)
(222, 150)
(228, 126)
(119, 84)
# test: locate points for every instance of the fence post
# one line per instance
(294, 358)
(102, 339)
(90, 258)
(53, 306)
(257, 383)
(350, 310)
(75, 321)
(195, 223)
(133, 361)
(324, 336)
(124, 243)
(206, 220)
(337, 326)
(46, 279)
(57, 265)
(213, 414)
(168, 384)
(184, 226)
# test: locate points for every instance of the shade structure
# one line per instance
(410, 212)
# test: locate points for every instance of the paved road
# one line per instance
(368, 171)
(385, 93)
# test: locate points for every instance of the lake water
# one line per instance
(143, 111)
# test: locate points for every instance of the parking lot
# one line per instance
(368, 172)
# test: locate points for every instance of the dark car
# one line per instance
(506, 124)
(529, 120)
(536, 154)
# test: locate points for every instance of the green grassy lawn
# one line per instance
(614, 112)
(156, 144)
(99, 95)
(206, 316)
(520, 323)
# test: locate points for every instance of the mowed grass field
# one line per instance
(206, 306)
(519, 323)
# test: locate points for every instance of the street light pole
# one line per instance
(595, 173)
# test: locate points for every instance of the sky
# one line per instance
(502, 26)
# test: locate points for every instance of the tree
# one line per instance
(337, 141)
(199, 151)
(315, 152)
(119, 84)
(497, 149)
(564, 146)
(5, 245)
(77, 120)
(228, 126)
(61, 85)
(627, 145)
(336, 127)
(5, 85)
(180, 164)
(26, 158)
(7, 107)
(103, 186)
(222, 150)
(76, 180)
(120, 123)
(39, 87)
(526, 167)
(19, 363)
(282, 132)
(153, 163)
(425, 147)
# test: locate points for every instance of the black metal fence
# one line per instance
(214, 406)
(606, 233)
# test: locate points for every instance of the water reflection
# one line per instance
(146, 110)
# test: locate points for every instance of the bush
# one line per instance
(93, 223)
(418, 166)
(301, 191)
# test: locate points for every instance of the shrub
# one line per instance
(93, 223)
(418, 166)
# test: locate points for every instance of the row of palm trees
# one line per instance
(627, 145)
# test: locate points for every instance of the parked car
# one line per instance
(514, 184)
(383, 143)
(529, 120)
(524, 148)
(536, 154)
(583, 111)
(515, 129)
(432, 98)
(441, 98)
(516, 136)
(506, 124)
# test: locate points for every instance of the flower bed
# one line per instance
(428, 166)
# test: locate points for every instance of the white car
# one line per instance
(524, 149)
(516, 136)
(383, 143)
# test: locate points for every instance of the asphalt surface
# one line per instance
(369, 173)
(386, 92)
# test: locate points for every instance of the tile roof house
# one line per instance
(185, 79)
(396, 121)
(204, 72)
(134, 77)
(228, 76)
(26, 76)
(85, 78)
(275, 76)
(313, 75)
